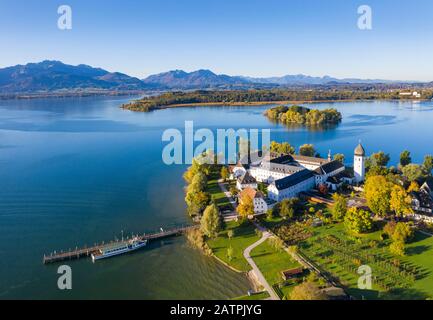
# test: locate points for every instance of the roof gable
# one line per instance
(247, 178)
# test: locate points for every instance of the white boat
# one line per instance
(118, 248)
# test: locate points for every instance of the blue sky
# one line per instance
(236, 37)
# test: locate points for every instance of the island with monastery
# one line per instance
(305, 227)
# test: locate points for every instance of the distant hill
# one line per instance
(300, 79)
(200, 79)
(49, 76)
(57, 77)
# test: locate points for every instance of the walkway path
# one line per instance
(258, 273)
(227, 193)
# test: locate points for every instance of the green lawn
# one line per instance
(217, 195)
(420, 252)
(258, 296)
(419, 261)
(244, 235)
(271, 262)
(270, 223)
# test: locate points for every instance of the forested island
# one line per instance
(304, 116)
(252, 97)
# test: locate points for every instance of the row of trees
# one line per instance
(304, 150)
(286, 148)
(199, 201)
(377, 164)
(303, 115)
(253, 96)
(197, 197)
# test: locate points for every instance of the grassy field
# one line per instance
(271, 263)
(244, 235)
(343, 259)
(217, 195)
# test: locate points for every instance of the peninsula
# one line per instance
(267, 96)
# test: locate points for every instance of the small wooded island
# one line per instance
(304, 116)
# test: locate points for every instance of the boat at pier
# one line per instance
(119, 248)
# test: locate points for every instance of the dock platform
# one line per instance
(88, 251)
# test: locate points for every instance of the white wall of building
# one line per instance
(291, 192)
(359, 168)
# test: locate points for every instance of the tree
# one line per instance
(379, 159)
(400, 201)
(413, 172)
(307, 291)
(230, 253)
(210, 223)
(246, 207)
(193, 170)
(339, 208)
(197, 202)
(402, 232)
(389, 228)
(414, 186)
(397, 248)
(358, 220)
(405, 158)
(339, 157)
(287, 209)
(270, 213)
(307, 150)
(230, 234)
(262, 188)
(225, 174)
(233, 191)
(378, 194)
(198, 183)
(428, 164)
(276, 243)
(284, 147)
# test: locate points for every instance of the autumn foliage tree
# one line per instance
(378, 194)
(400, 201)
(210, 223)
(358, 220)
(339, 208)
(246, 206)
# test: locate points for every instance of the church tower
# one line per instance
(359, 163)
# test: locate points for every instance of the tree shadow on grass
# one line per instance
(417, 250)
(403, 294)
(263, 254)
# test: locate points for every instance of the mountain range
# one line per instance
(48, 76)
(55, 76)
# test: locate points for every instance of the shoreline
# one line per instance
(264, 103)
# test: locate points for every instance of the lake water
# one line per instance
(78, 171)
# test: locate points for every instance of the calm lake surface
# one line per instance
(78, 171)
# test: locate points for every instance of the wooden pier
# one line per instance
(87, 251)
